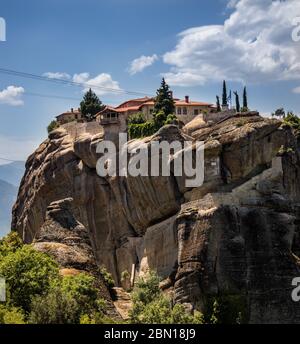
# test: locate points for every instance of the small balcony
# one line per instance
(107, 121)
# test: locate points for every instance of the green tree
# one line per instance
(224, 94)
(90, 105)
(52, 126)
(164, 100)
(27, 273)
(279, 113)
(69, 300)
(137, 118)
(245, 100)
(55, 307)
(237, 102)
(107, 277)
(151, 306)
(11, 315)
(218, 104)
(10, 244)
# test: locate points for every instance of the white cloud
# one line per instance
(81, 77)
(12, 96)
(102, 84)
(139, 64)
(253, 45)
(57, 75)
(296, 90)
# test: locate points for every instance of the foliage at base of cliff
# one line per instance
(151, 306)
(36, 293)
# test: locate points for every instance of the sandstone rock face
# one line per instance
(64, 238)
(237, 234)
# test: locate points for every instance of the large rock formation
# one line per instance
(236, 235)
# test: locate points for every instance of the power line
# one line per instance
(69, 82)
(49, 96)
(9, 160)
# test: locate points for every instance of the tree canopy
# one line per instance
(164, 100)
(90, 105)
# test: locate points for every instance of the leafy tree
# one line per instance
(237, 102)
(293, 121)
(245, 100)
(69, 299)
(52, 126)
(107, 277)
(224, 94)
(171, 119)
(11, 315)
(10, 244)
(55, 307)
(90, 105)
(218, 104)
(137, 118)
(27, 273)
(279, 113)
(151, 306)
(164, 100)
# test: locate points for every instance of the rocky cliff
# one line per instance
(237, 235)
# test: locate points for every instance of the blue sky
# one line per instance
(131, 44)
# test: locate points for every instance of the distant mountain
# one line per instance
(12, 173)
(8, 195)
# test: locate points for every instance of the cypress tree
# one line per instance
(164, 100)
(224, 96)
(237, 102)
(218, 104)
(245, 100)
(90, 105)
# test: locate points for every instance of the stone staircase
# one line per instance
(122, 302)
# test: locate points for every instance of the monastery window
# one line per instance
(179, 111)
(184, 111)
(196, 112)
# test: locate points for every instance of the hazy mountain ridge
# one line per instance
(8, 195)
(10, 178)
(12, 173)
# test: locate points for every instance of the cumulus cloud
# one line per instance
(253, 45)
(12, 96)
(81, 77)
(101, 84)
(139, 64)
(296, 90)
(57, 75)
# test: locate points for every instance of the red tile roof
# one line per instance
(129, 108)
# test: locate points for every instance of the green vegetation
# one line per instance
(237, 102)
(38, 294)
(279, 113)
(52, 126)
(137, 118)
(218, 104)
(70, 299)
(293, 121)
(107, 277)
(90, 105)
(27, 273)
(226, 309)
(164, 100)
(151, 306)
(245, 100)
(224, 94)
(163, 114)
